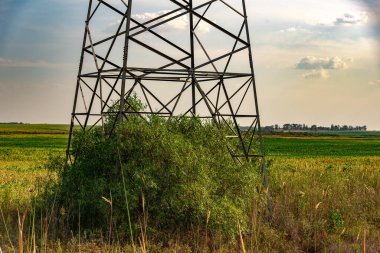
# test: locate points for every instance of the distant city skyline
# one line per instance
(315, 63)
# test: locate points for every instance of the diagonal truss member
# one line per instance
(185, 57)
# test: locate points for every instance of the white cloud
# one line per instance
(179, 23)
(317, 74)
(320, 66)
(290, 29)
(346, 19)
(294, 29)
(312, 62)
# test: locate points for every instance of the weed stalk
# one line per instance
(126, 201)
(6, 229)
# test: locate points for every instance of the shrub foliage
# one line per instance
(174, 175)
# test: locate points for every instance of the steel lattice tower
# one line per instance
(183, 57)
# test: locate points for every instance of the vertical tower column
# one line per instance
(191, 28)
(125, 61)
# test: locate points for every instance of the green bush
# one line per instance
(176, 173)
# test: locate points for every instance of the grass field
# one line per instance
(23, 151)
(325, 189)
(339, 146)
(25, 147)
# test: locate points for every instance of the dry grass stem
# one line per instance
(21, 222)
(241, 239)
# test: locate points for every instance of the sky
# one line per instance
(316, 62)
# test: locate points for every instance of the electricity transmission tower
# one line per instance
(179, 57)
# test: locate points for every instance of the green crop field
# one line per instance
(325, 189)
(339, 146)
(25, 147)
(23, 151)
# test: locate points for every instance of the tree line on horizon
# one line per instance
(304, 127)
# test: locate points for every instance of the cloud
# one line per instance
(179, 23)
(320, 66)
(312, 62)
(317, 74)
(349, 19)
(294, 30)
(30, 64)
(346, 19)
(290, 29)
(374, 82)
